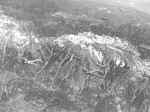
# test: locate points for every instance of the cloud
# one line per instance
(132, 3)
(119, 2)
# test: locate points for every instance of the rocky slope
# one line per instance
(80, 71)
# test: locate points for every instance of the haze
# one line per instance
(142, 5)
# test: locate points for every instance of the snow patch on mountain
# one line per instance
(15, 33)
(103, 47)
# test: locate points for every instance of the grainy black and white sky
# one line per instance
(143, 5)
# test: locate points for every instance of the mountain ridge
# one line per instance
(76, 63)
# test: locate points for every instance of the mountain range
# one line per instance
(73, 56)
